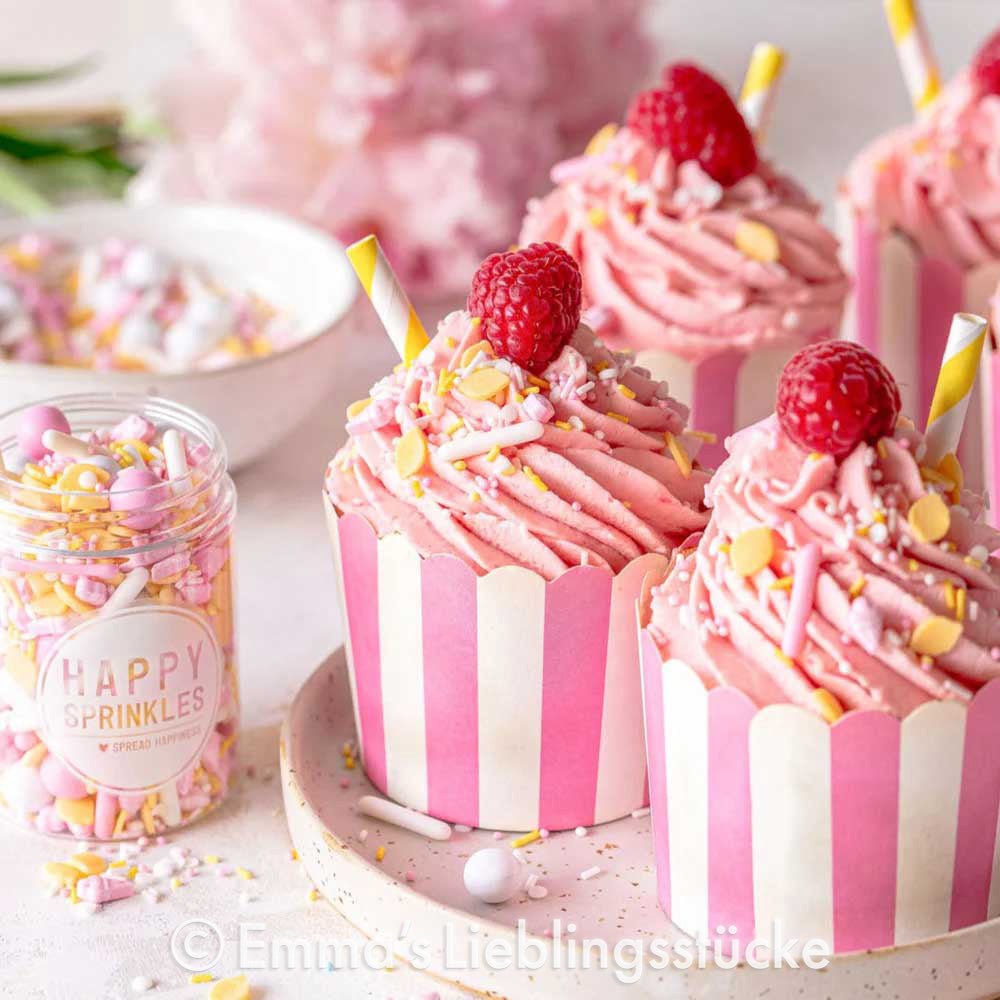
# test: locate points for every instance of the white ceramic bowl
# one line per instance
(297, 269)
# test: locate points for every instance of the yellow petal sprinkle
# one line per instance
(600, 139)
(76, 812)
(935, 636)
(827, 703)
(929, 518)
(470, 353)
(757, 241)
(950, 467)
(358, 406)
(411, 453)
(234, 988)
(752, 551)
(484, 383)
(89, 863)
(63, 875)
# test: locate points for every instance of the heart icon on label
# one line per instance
(103, 747)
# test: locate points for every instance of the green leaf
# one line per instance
(17, 192)
(19, 77)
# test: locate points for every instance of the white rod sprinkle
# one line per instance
(408, 819)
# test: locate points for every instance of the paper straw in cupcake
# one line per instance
(955, 383)
(391, 303)
(909, 35)
(759, 85)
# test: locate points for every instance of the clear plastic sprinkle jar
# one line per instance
(119, 701)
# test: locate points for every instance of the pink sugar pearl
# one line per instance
(134, 490)
(34, 422)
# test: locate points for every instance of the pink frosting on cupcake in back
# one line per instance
(938, 179)
(656, 244)
(863, 634)
(595, 481)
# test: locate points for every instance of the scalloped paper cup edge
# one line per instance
(503, 701)
(901, 310)
(869, 833)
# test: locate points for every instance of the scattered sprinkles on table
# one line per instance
(840, 570)
(512, 442)
(126, 306)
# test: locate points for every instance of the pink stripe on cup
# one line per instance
(359, 565)
(730, 831)
(448, 605)
(656, 755)
(978, 811)
(864, 779)
(713, 402)
(992, 432)
(868, 284)
(575, 650)
(940, 296)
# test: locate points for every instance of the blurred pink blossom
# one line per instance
(429, 122)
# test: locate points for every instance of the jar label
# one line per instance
(128, 701)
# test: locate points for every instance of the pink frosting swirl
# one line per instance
(938, 179)
(877, 584)
(592, 482)
(656, 245)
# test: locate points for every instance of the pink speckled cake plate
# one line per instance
(435, 920)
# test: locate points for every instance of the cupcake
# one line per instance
(822, 702)
(493, 513)
(696, 254)
(920, 216)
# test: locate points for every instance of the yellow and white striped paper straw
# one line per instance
(920, 70)
(959, 368)
(382, 286)
(757, 95)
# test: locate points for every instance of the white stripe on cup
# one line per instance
(899, 301)
(757, 382)
(401, 647)
(620, 784)
(792, 823)
(510, 613)
(338, 567)
(932, 744)
(685, 725)
(975, 452)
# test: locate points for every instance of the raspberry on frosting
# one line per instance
(529, 301)
(836, 395)
(694, 117)
(986, 66)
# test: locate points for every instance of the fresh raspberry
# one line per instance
(529, 302)
(694, 117)
(986, 66)
(834, 395)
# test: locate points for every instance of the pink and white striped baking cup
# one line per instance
(868, 833)
(500, 701)
(727, 392)
(901, 310)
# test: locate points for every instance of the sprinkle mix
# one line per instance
(95, 523)
(125, 306)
